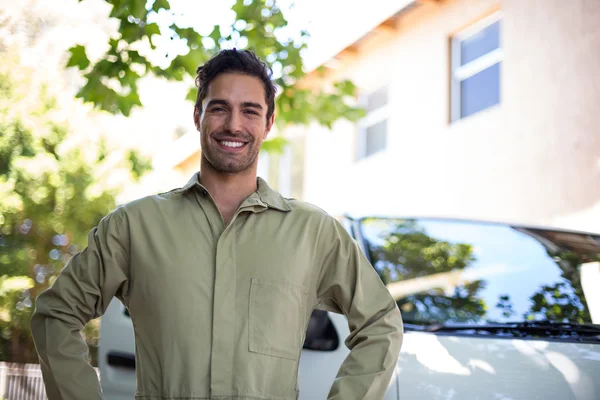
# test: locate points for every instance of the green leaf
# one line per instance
(264, 23)
(151, 29)
(188, 33)
(137, 9)
(128, 102)
(161, 4)
(275, 145)
(131, 32)
(119, 9)
(192, 94)
(103, 97)
(128, 78)
(78, 57)
(345, 87)
(139, 165)
(216, 35)
(187, 64)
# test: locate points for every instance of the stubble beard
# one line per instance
(223, 163)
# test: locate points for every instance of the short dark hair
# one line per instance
(236, 61)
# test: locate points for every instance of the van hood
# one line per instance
(434, 366)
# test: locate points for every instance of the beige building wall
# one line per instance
(533, 158)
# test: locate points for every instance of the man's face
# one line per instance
(233, 122)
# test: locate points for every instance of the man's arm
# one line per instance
(348, 284)
(81, 292)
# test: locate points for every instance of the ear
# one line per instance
(269, 125)
(197, 117)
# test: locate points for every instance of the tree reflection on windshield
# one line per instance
(462, 272)
(562, 301)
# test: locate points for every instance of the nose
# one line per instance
(233, 123)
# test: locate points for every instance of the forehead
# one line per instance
(236, 88)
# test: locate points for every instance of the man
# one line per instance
(220, 276)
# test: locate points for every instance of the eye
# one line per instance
(251, 112)
(217, 109)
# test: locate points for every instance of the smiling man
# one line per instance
(220, 276)
(234, 113)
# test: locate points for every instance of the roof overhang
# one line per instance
(381, 18)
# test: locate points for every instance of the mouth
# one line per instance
(230, 145)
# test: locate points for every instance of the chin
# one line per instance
(232, 168)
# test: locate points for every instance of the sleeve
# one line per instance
(82, 291)
(348, 284)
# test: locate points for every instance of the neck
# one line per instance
(228, 190)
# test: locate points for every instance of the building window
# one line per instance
(373, 129)
(476, 59)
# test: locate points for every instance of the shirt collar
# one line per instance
(266, 195)
(271, 197)
(194, 181)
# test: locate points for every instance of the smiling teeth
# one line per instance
(232, 144)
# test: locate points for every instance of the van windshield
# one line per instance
(445, 272)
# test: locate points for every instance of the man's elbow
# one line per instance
(397, 334)
(42, 319)
(397, 317)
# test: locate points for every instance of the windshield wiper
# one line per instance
(563, 330)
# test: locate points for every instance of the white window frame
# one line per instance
(462, 72)
(372, 118)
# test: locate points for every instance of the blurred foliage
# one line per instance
(558, 302)
(562, 301)
(506, 306)
(51, 195)
(404, 251)
(275, 145)
(259, 25)
(407, 251)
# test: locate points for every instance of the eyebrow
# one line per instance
(222, 102)
(251, 105)
(215, 102)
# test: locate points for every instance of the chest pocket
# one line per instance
(276, 320)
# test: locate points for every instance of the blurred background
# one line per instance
(474, 109)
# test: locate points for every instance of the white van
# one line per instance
(491, 311)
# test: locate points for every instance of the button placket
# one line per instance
(222, 357)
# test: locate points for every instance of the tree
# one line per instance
(563, 301)
(259, 25)
(51, 196)
(407, 251)
(403, 251)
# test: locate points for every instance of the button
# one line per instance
(204, 193)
